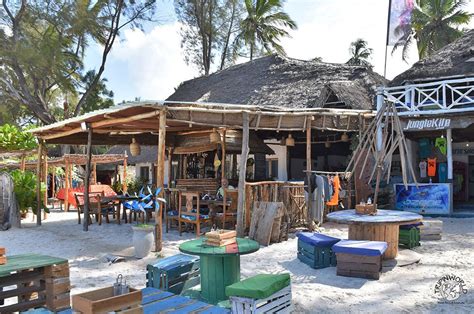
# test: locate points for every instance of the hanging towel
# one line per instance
(431, 167)
(335, 197)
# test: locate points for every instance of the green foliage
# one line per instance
(360, 53)
(434, 24)
(117, 187)
(209, 31)
(42, 48)
(134, 185)
(264, 26)
(11, 138)
(25, 190)
(100, 97)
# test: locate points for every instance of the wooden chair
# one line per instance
(229, 212)
(188, 213)
(95, 207)
(171, 212)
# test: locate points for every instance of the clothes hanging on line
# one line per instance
(431, 167)
(441, 143)
(422, 166)
(335, 197)
(443, 172)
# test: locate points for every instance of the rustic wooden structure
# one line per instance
(161, 122)
(104, 301)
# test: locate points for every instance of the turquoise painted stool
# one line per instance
(314, 249)
(174, 274)
(264, 293)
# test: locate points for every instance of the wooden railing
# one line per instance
(291, 194)
(435, 97)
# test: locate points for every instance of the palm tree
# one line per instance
(434, 24)
(264, 25)
(360, 53)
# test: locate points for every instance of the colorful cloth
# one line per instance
(422, 166)
(442, 173)
(441, 143)
(425, 148)
(335, 197)
(431, 167)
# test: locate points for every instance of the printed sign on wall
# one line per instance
(424, 198)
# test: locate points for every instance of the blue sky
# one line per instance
(150, 64)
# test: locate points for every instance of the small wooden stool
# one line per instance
(362, 259)
(314, 249)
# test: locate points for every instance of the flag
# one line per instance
(399, 23)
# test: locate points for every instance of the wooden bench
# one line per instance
(314, 249)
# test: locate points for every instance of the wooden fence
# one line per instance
(291, 194)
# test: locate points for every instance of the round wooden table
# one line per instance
(219, 266)
(381, 227)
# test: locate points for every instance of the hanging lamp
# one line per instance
(345, 137)
(135, 148)
(290, 141)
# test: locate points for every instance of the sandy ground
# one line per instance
(401, 289)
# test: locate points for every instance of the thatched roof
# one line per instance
(285, 82)
(453, 60)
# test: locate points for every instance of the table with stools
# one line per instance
(219, 265)
(384, 226)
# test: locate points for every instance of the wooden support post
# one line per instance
(308, 176)
(242, 175)
(170, 166)
(53, 183)
(94, 173)
(87, 179)
(124, 178)
(38, 183)
(160, 178)
(223, 177)
(67, 174)
(45, 178)
(22, 163)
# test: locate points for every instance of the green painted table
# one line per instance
(219, 266)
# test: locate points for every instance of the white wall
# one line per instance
(281, 155)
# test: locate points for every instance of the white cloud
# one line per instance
(154, 62)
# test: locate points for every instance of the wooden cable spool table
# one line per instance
(384, 226)
(219, 265)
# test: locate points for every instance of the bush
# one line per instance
(25, 191)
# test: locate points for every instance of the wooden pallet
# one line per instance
(279, 302)
(58, 287)
(431, 230)
(315, 257)
(361, 266)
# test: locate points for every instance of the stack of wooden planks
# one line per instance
(221, 237)
(3, 258)
(431, 229)
(58, 286)
(265, 226)
(359, 265)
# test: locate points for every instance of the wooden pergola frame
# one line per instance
(152, 122)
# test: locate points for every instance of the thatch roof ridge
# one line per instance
(279, 81)
(453, 60)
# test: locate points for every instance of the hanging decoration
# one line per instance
(135, 148)
(290, 141)
(345, 137)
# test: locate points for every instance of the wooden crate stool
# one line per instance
(262, 293)
(409, 236)
(175, 274)
(314, 249)
(3, 258)
(431, 230)
(362, 259)
(58, 287)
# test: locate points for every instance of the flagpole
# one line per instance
(387, 38)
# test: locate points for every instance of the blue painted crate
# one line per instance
(314, 256)
(174, 274)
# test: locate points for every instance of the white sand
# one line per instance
(402, 289)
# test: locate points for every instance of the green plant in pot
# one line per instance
(25, 191)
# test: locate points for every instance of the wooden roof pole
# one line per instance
(160, 178)
(38, 183)
(124, 176)
(22, 163)
(223, 176)
(308, 175)
(85, 226)
(67, 175)
(45, 178)
(242, 175)
(94, 173)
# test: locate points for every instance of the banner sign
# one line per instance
(432, 124)
(399, 25)
(433, 198)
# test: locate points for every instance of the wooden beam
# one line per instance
(223, 176)
(67, 174)
(308, 174)
(242, 175)
(38, 183)
(170, 166)
(45, 178)
(102, 123)
(160, 178)
(87, 179)
(124, 178)
(94, 173)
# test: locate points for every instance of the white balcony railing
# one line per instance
(433, 98)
